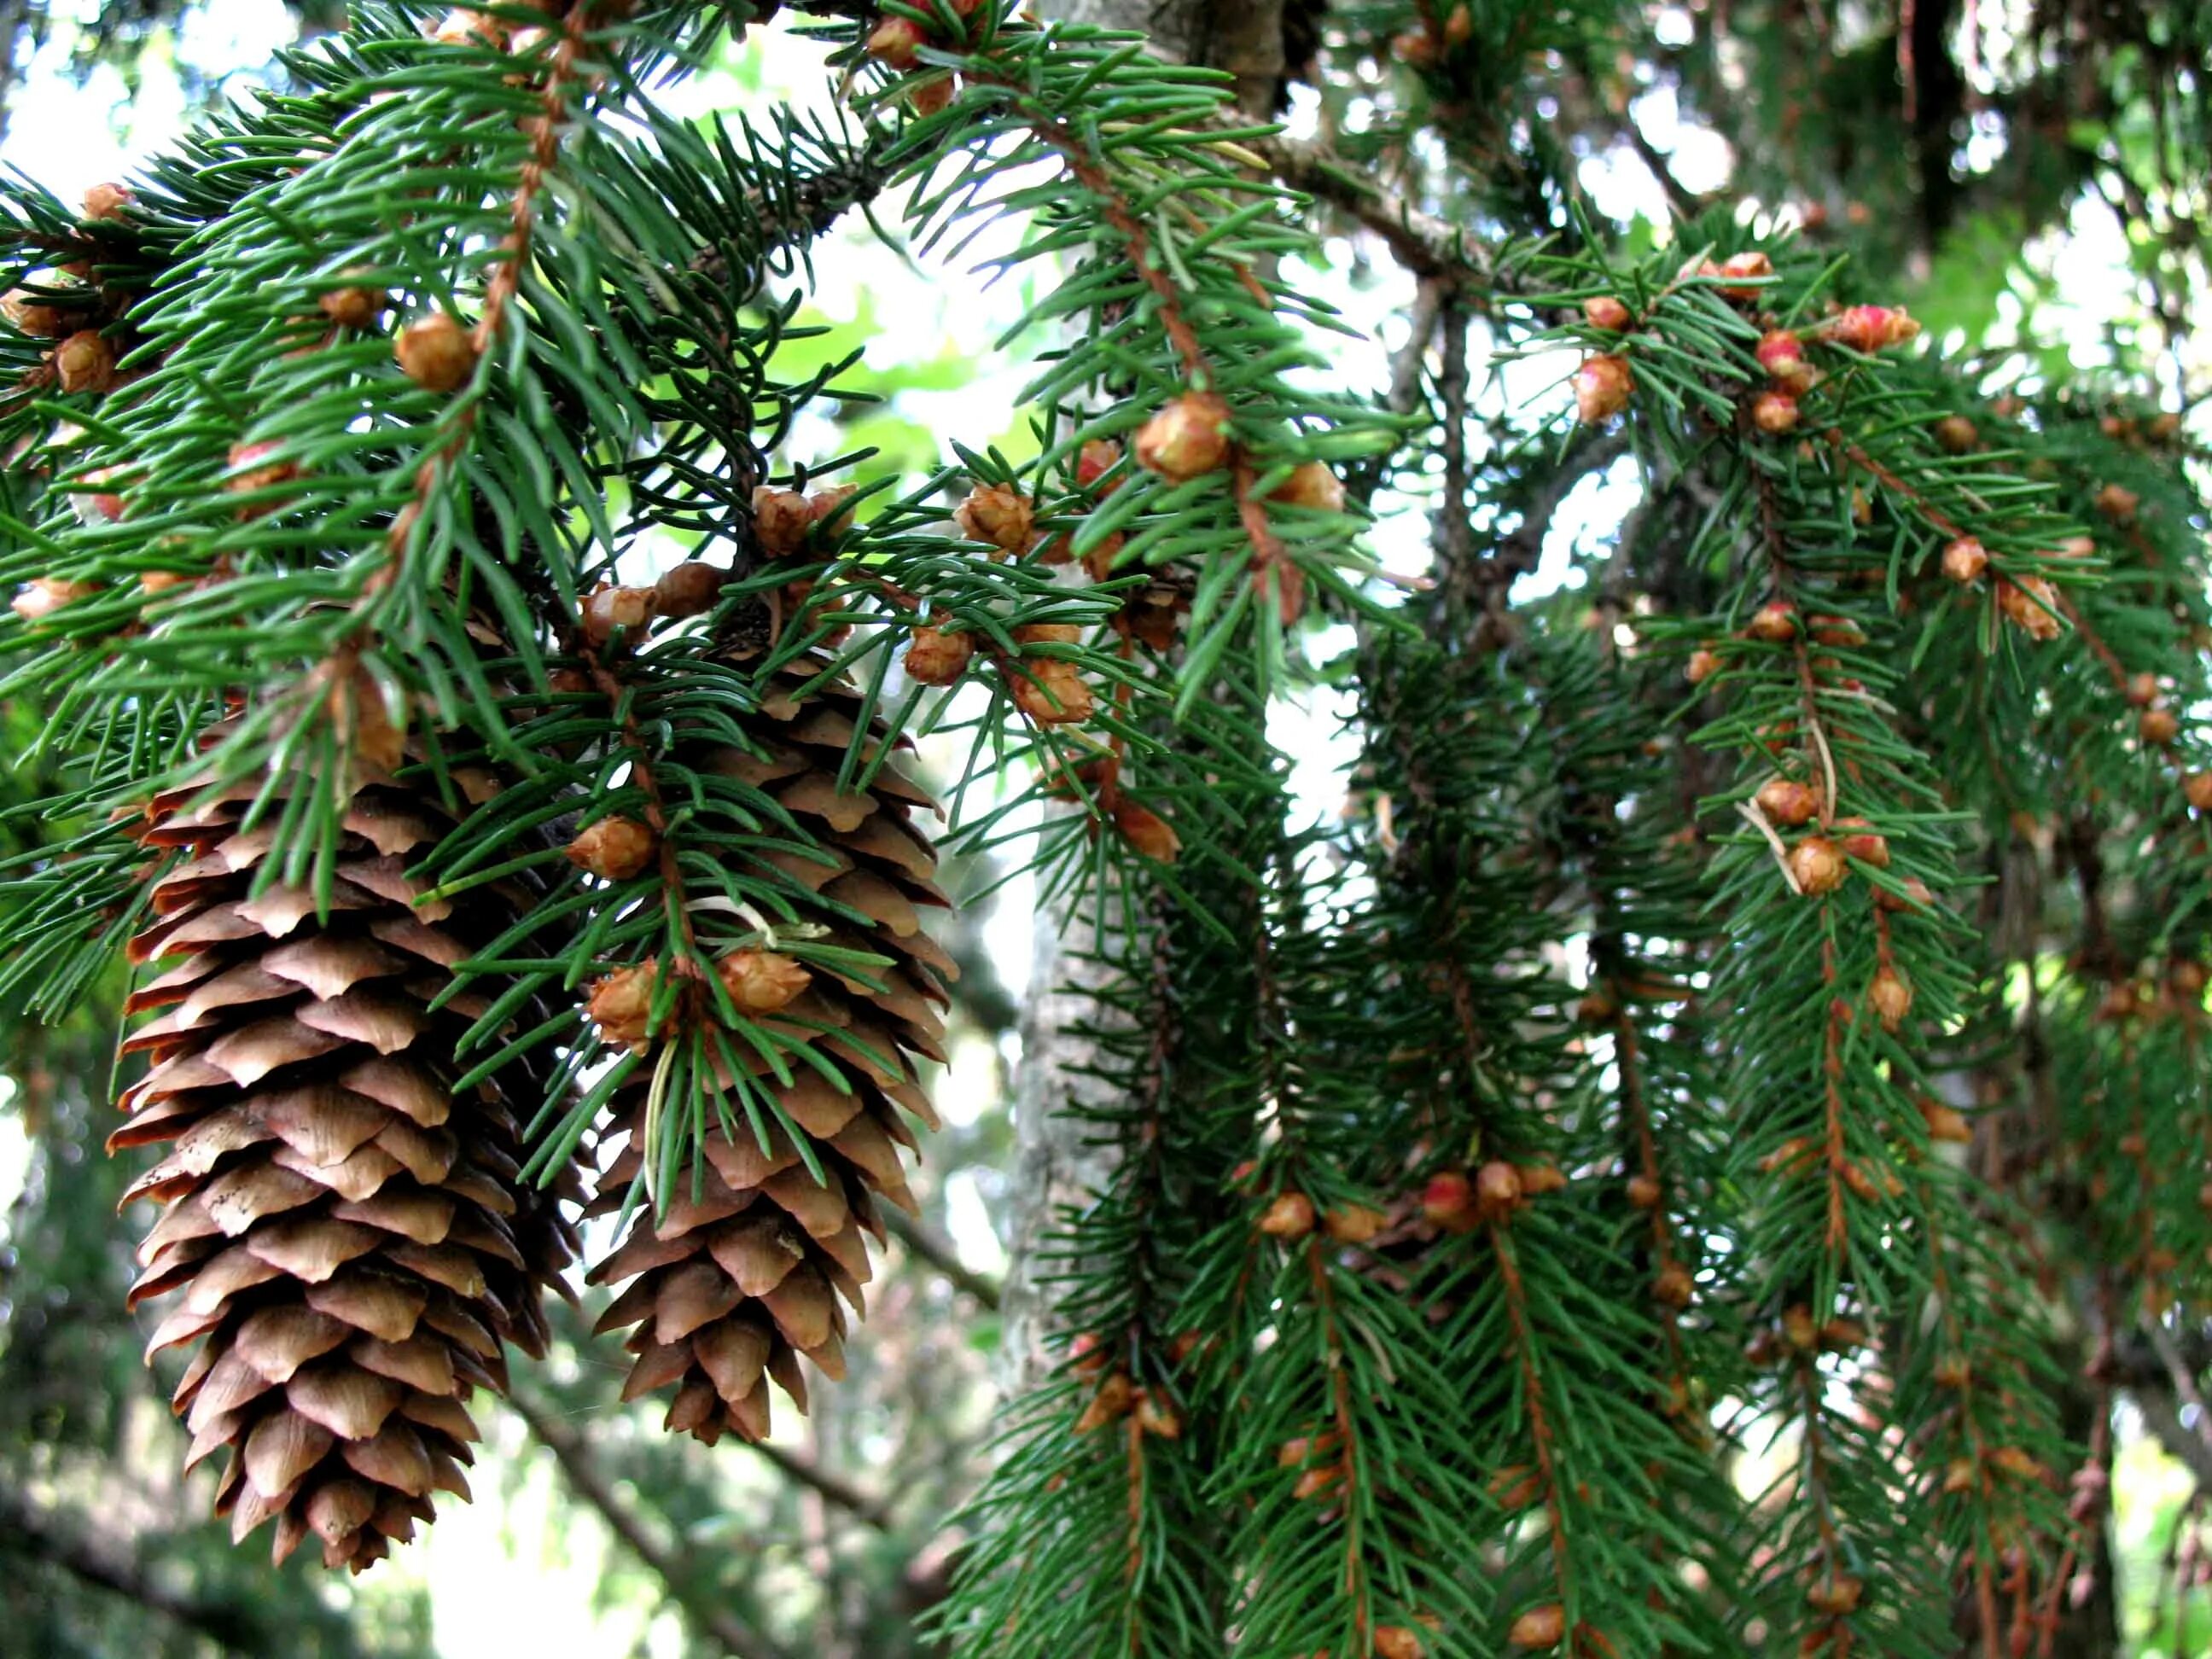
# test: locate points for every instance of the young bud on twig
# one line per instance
(436, 352)
(1891, 994)
(1290, 1217)
(2031, 604)
(689, 590)
(1540, 1628)
(1956, 435)
(1965, 559)
(1782, 354)
(935, 657)
(1146, 831)
(85, 361)
(1607, 313)
(1186, 439)
(1774, 621)
(762, 981)
(611, 608)
(353, 308)
(620, 1003)
(1818, 864)
(781, 519)
(615, 850)
(1603, 387)
(999, 516)
(1311, 485)
(897, 41)
(1787, 802)
(1774, 413)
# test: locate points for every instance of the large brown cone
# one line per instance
(348, 1233)
(741, 1272)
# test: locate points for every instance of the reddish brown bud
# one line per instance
(1644, 1192)
(1097, 457)
(781, 519)
(1051, 692)
(1891, 994)
(1869, 328)
(1774, 413)
(1782, 354)
(1353, 1223)
(2197, 788)
(85, 361)
(1314, 1483)
(2118, 503)
(36, 317)
(1956, 435)
(1740, 266)
(1818, 865)
(689, 590)
(1776, 622)
(1156, 1418)
(2158, 725)
(1146, 831)
(929, 97)
(436, 352)
(1087, 1353)
(998, 515)
(1447, 1199)
(353, 308)
(253, 467)
(1673, 1287)
(1110, 1404)
(1965, 559)
(1946, 1123)
(1540, 1628)
(1787, 802)
(615, 850)
(1603, 387)
(762, 981)
(1516, 1486)
(1289, 1217)
(610, 608)
(897, 41)
(934, 657)
(1186, 439)
(1703, 666)
(40, 600)
(2031, 604)
(1496, 1190)
(2143, 689)
(827, 511)
(1607, 313)
(1862, 842)
(620, 1005)
(1311, 485)
(1538, 1179)
(107, 201)
(1398, 1641)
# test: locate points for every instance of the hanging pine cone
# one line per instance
(741, 1270)
(348, 1234)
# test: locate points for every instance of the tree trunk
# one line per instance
(1053, 1167)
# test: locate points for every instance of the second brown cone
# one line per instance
(743, 1268)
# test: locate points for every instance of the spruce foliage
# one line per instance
(1621, 1187)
